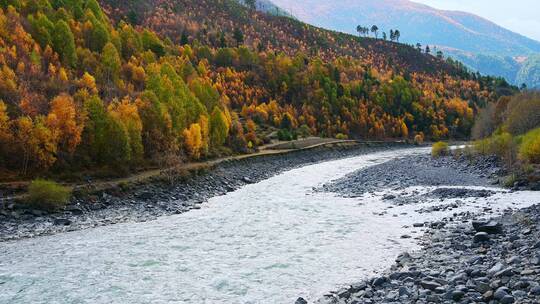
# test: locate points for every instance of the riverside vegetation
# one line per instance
(47, 195)
(510, 129)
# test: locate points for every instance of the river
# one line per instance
(268, 242)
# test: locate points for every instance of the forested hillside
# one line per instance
(218, 23)
(140, 82)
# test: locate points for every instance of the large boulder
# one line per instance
(301, 301)
(62, 222)
(431, 285)
(490, 227)
(481, 237)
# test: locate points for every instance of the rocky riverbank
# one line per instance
(420, 170)
(155, 198)
(465, 258)
(493, 261)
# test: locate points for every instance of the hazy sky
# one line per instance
(521, 16)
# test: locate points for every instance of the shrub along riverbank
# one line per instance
(510, 129)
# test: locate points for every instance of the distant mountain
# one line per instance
(530, 72)
(504, 66)
(417, 23)
(479, 43)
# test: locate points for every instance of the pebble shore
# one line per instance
(491, 261)
(147, 201)
(470, 258)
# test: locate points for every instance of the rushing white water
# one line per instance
(268, 242)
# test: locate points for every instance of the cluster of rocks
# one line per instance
(147, 201)
(445, 193)
(441, 207)
(420, 170)
(492, 261)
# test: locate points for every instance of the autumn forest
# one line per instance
(87, 85)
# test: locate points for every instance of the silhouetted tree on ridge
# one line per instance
(375, 30)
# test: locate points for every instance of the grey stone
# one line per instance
(431, 285)
(491, 227)
(457, 295)
(495, 284)
(403, 258)
(496, 268)
(75, 209)
(528, 272)
(488, 295)
(535, 291)
(507, 299)
(500, 293)
(404, 291)
(301, 301)
(344, 293)
(481, 237)
(513, 260)
(147, 195)
(520, 294)
(368, 294)
(440, 289)
(379, 281)
(62, 222)
(520, 285)
(358, 287)
(392, 295)
(459, 277)
(505, 272)
(389, 197)
(433, 298)
(36, 212)
(482, 287)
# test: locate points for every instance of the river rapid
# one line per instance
(268, 242)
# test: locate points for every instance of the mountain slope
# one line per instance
(481, 44)
(214, 22)
(83, 91)
(530, 72)
(417, 23)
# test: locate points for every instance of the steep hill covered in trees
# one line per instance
(214, 23)
(82, 88)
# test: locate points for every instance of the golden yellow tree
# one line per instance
(193, 140)
(5, 125)
(6, 135)
(66, 126)
(88, 82)
(36, 143)
(128, 114)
